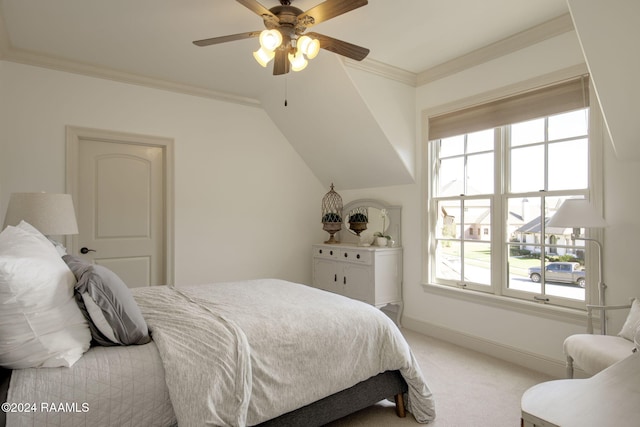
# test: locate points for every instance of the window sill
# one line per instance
(563, 314)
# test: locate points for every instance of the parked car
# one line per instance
(566, 272)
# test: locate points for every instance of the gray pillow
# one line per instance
(108, 305)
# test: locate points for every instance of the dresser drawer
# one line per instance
(355, 255)
(326, 252)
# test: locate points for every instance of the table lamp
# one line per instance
(51, 214)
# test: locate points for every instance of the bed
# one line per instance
(256, 352)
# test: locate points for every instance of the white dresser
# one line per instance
(370, 274)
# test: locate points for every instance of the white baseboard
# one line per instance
(552, 367)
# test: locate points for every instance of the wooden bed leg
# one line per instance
(400, 405)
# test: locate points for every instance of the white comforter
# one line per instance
(241, 353)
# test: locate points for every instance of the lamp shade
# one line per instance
(577, 213)
(52, 214)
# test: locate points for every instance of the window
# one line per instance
(507, 179)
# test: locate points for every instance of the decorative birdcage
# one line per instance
(332, 214)
(358, 219)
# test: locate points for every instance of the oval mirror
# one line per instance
(381, 218)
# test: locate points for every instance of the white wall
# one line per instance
(246, 205)
(536, 341)
(614, 63)
(393, 104)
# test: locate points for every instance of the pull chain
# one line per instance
(286, 80)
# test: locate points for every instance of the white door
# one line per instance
(120, 198)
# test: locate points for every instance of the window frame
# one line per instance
(498, 292)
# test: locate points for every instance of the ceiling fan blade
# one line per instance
(340, 47)
(256, 7)
(328, 9)
(224, 39)
(280, 62)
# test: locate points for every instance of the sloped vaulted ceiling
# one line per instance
(329, 123)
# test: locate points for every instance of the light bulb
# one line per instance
(270, 39)
(298, 61)
(309, 46)
(263, 56)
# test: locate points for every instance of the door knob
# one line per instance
(86, 250)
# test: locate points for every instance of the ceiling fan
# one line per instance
(284, 39)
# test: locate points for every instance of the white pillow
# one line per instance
(40, 323)
(632, 323)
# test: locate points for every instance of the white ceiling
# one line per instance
(153, 38)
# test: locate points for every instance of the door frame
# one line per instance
(74, 137)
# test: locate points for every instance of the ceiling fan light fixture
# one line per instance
(298, 61)
(283, 40)
(263, 56)
(310, 47)
(270, 39)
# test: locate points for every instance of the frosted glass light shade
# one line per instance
(298, 61)
(577, 213)
(270, 39)
(263, 56)
(52, 214)
(310, 47)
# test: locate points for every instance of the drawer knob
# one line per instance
(330, 252)
(358, 256)
(320, 251)
(346, 255)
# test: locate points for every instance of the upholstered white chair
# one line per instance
(591, 352)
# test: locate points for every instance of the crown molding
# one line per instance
(381, 69)
(39, 60)
(9, 53)
(521, 40)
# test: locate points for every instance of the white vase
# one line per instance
(381, 241)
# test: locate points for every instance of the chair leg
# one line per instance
(569, 367)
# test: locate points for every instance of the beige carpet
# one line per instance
(470, 389)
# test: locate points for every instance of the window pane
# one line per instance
(480, 141)
(480, 174)
(563, 278)
(477, 215)
(527, 132)
(521, 259)
(569, 165)
(448, 264)
(527, 169)
(523, 220)
(450, 179)
(569, 125)
(453, 146)
(477, 263)
(449, 217)
(524, 235)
